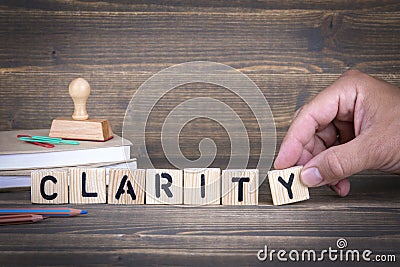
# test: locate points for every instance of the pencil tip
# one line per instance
(84, 212)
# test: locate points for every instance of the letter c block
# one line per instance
(49, 186)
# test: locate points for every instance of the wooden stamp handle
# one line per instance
(79, 90)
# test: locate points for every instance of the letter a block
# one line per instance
(202, 186)
(240, 187)
(49, 186)
(87, 185)
(286, 186)
(164, 186)
(126, 186)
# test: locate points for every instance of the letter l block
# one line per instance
(87, 185)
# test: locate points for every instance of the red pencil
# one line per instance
(36, 143)
(20, 219)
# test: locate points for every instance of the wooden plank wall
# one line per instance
(291, 51)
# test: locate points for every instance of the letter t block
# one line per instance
(286, 186)
(240, 187)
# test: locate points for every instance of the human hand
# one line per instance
(352, 125)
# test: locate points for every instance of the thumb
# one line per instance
(336, 163)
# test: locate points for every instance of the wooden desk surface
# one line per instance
(181, 236)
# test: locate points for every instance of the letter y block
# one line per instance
(286, 186)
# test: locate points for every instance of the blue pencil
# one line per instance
(48, 212)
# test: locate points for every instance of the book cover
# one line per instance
(16, 154)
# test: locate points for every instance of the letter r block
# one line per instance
(164, 186)
(286, 186)
(49, 186)
(87, 185)
(240, 187)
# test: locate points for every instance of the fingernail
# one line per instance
(311, 177)
(277, 159)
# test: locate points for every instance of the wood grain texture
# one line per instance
(137, 179)
(238, 192)
(95, 185)
(164, 186)
(192, 5)
(59, 186)
(291, 189)
(91, 129)
(151, 235)
(197, 193)
(318, 40)
(291, 51)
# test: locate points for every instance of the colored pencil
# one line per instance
(20, 219)
(48, 212)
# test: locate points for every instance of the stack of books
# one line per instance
(19, 158)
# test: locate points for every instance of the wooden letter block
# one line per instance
(202, 186)
(286, 186)
(164, 186)
(49, 186)
(87, 185)
(240, 187)
(126, 186)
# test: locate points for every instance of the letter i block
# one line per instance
(240, 187)
(286, 186)
(87, 185)
(164, 186)
(126, 186)
(49, 186)
(202, 186)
